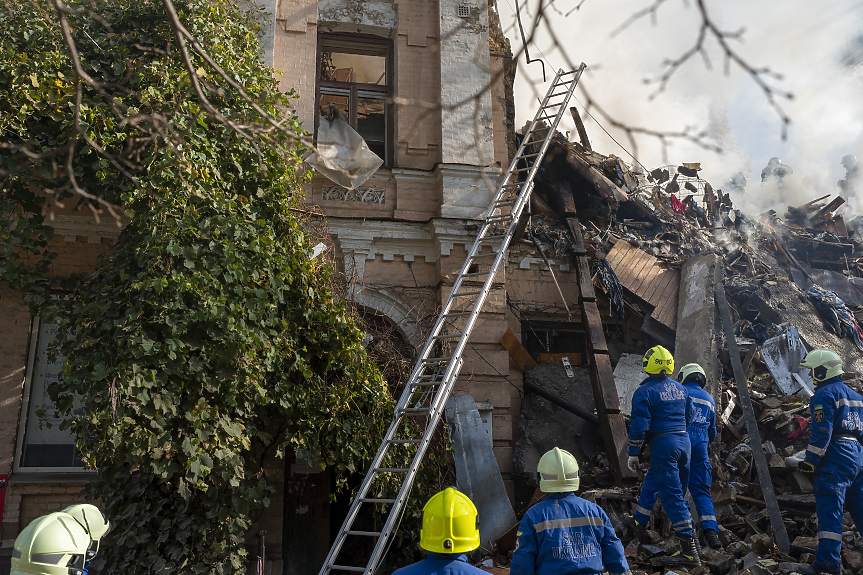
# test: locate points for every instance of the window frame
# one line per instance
(24, 417)
(355, 88)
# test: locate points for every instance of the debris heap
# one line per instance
(664, 246)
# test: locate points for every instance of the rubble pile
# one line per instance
(793, 282)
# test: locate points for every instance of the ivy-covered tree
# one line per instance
(208, 334)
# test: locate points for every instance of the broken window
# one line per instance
(541, 337)
(355, 74)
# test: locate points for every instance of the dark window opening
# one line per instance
(551, 337)
(355, 73)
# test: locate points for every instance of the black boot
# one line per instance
(712, 539)
(686, 556)
(640, 532)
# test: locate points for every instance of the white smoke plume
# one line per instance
(805, 41)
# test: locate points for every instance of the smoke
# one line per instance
(804, 41)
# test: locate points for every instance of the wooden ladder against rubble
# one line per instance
(611, 421)
(387, 484)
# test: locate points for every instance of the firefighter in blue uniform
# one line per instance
(661, 413)
(834, 455)
(564, 534)
(702, 432)
(449, 531)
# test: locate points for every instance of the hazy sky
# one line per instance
(802, 40)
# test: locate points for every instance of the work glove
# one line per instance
(632, 463)
(805, 467)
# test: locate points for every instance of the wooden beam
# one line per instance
(605, 187)
(780, 535)
(517, 352)
(579, 125)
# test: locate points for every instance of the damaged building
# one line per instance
(609, 259)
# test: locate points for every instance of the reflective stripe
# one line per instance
(568, 522)
(47, 558)
(816, 450)
(829, 535)
(642, 510)
(849, 403)
(708, 517)
(703, 402)
(16, 553)
(573, 475)
(683, 523)
(626, 573)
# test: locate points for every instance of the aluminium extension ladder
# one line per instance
(436, 370)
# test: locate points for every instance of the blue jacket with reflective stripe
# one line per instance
(565, 534)
(441, 564)
(835, 408)
(703, 424)
(659, 405)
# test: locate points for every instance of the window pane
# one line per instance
(342, 102)
(46, 447)
(357, 68)
(372, 119)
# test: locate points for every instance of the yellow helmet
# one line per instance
(692, 372)
(53, 544)
(92, 520)
(825, 363)
(558, 472)
(449, 523)
(658, 360)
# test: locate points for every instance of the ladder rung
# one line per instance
(437, 359)
(347, 568)
(426, 383)
(505, 202)
(457, 314)
(559, 94)
(447, 336)
(500, 218)
(485, 255)
(404, 440)
(474, 274)
(493, 238)
(545, 118)
(375, 500)
(415, 410)
(364, 533)
(390, 469)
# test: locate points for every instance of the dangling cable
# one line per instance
(524, 41)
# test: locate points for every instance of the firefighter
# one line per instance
(53, 544)
(564, 533)
(661, 413)
(702, 432)
(834, 454)
(92, 520)
(449, 531)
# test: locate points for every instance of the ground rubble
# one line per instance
(792, 283)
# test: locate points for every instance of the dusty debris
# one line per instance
(791, 283)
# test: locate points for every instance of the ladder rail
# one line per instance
(440, 390)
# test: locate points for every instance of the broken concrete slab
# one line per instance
(477, 473)
(628, 375)
(695, 341)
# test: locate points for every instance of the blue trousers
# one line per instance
(668, 476)
(838, 483)
(700, 479)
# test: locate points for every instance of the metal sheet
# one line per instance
(476, 470)
(783, 355)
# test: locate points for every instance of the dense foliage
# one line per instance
(208, 335)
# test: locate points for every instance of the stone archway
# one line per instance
(391, 307)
